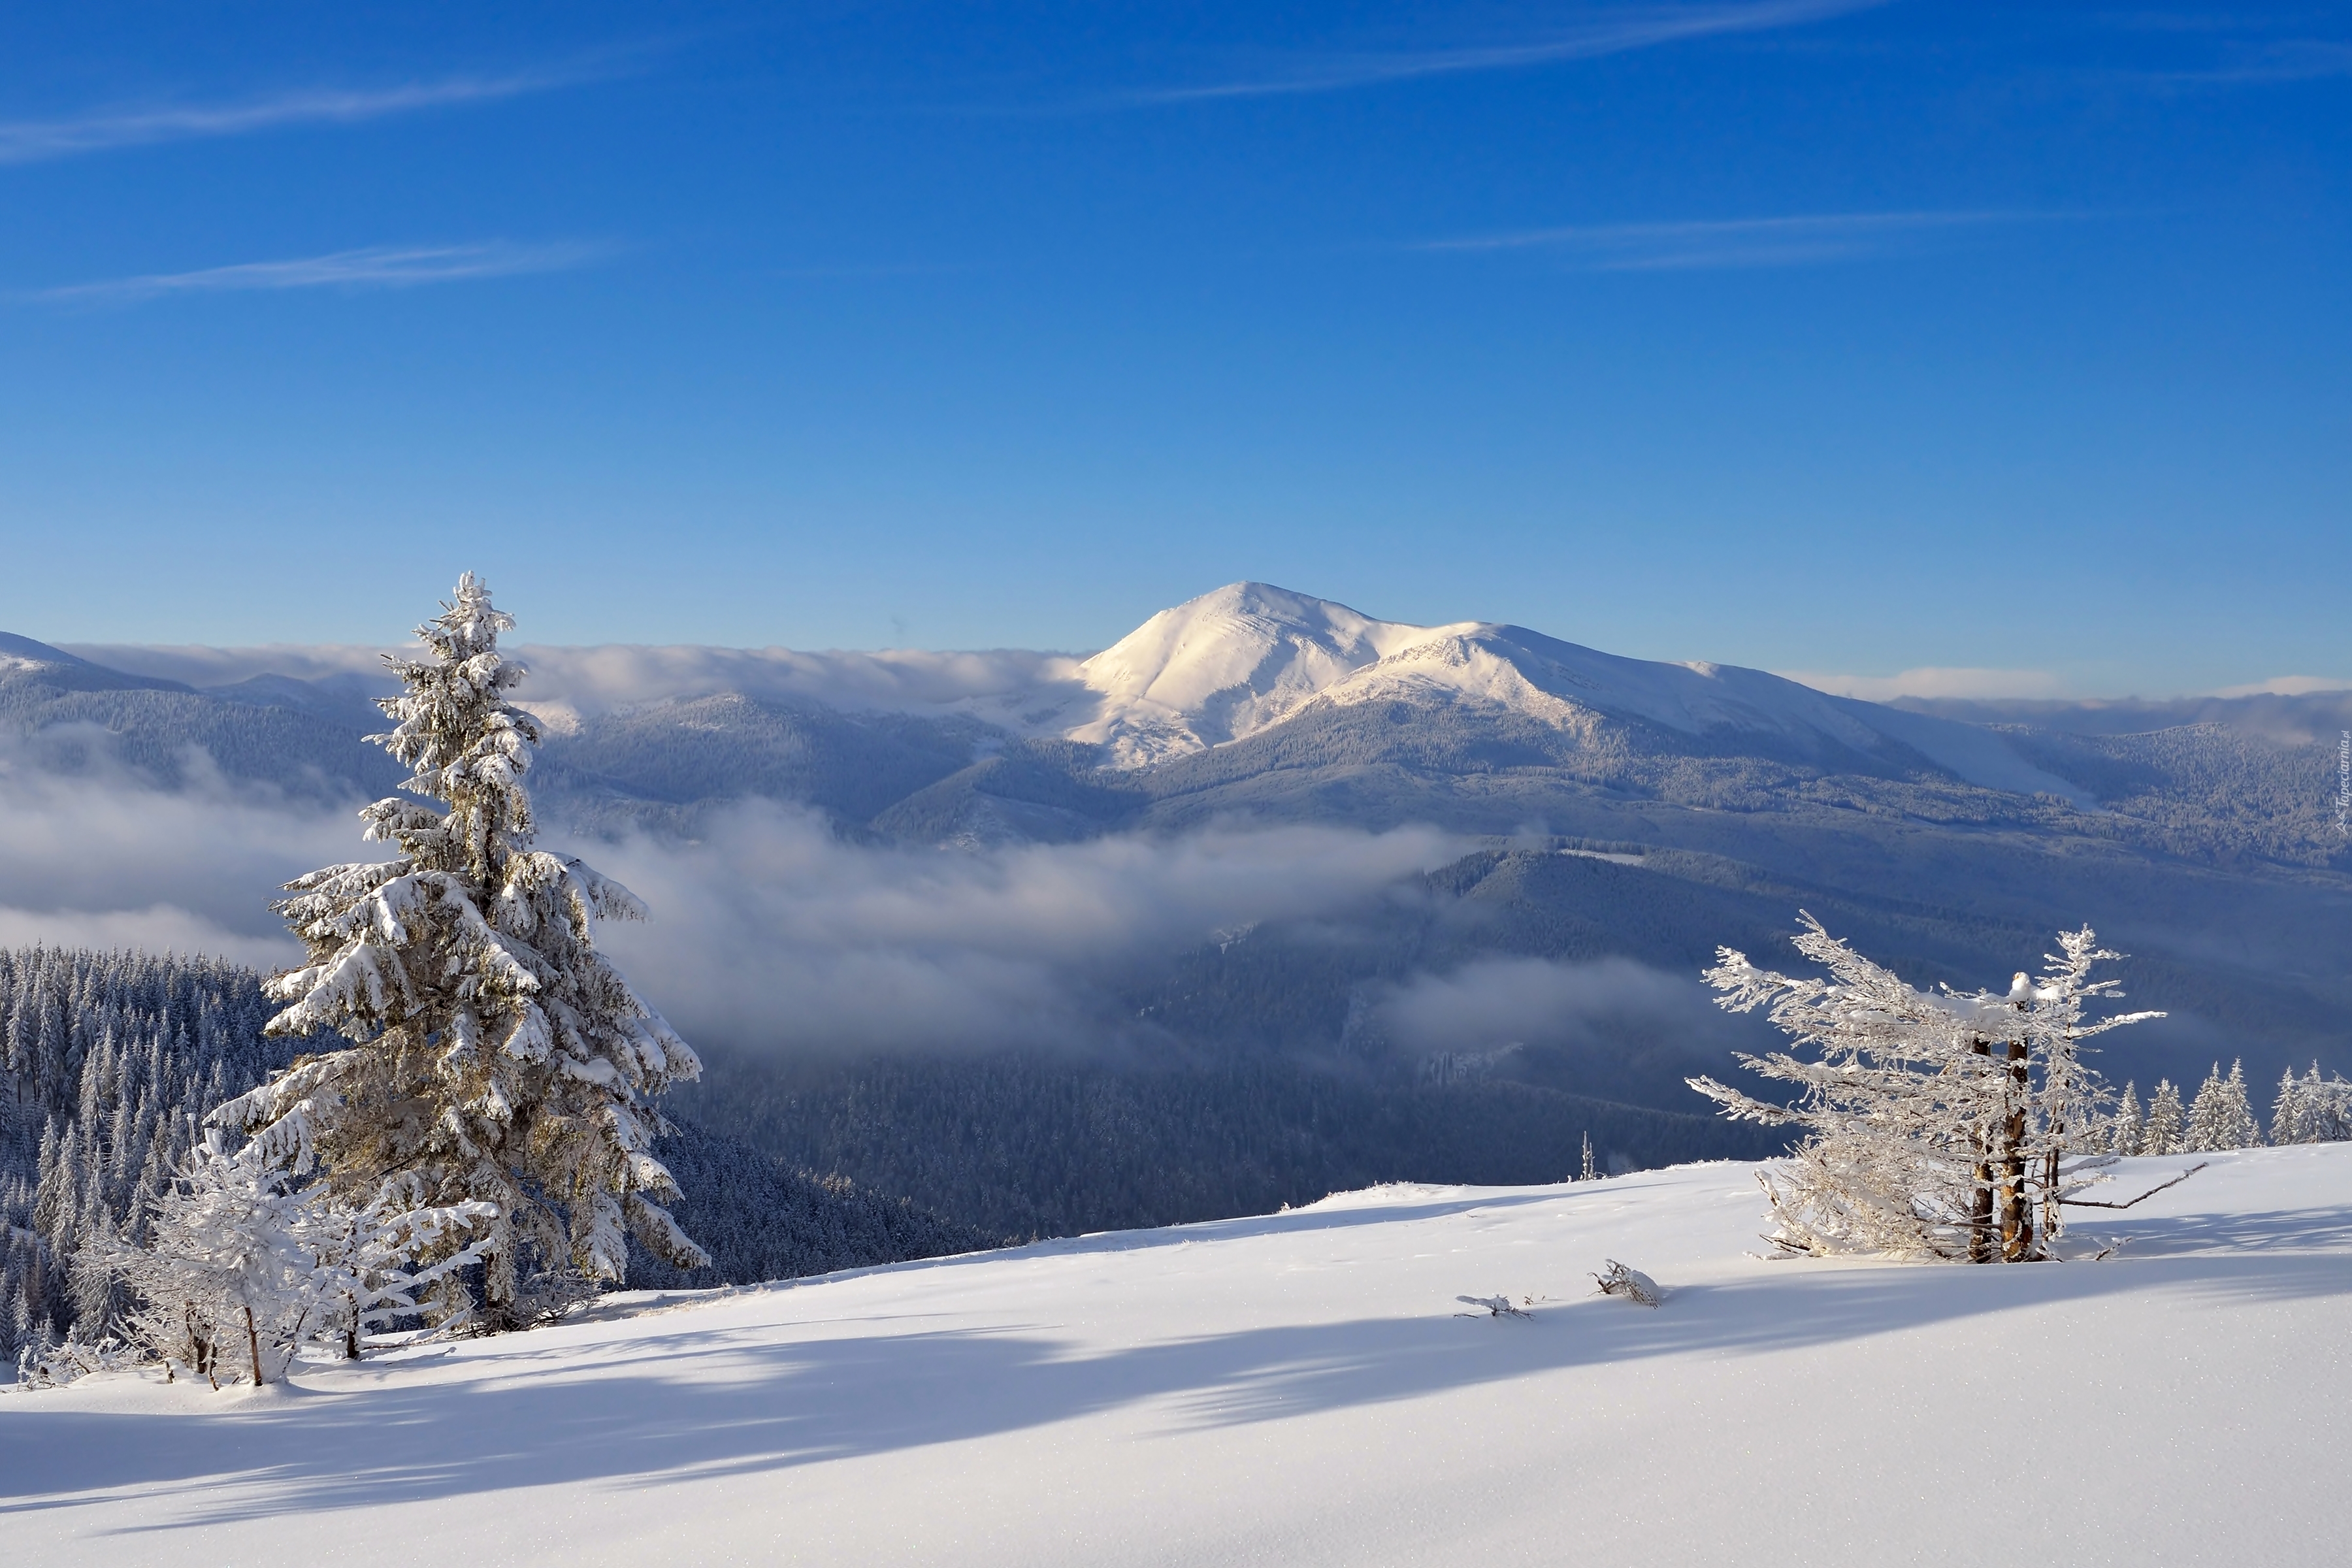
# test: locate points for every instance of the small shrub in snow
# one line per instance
(1617, 1280)
(45, 1362)
(239, 1272)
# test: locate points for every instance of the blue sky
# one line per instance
(1819, 337)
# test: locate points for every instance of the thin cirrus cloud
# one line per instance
(374, 267)
(1614, 32)
(38, 141)
(1933, 681)
(1706, 244)
(2289, 60)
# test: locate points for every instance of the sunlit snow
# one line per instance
(1300, 1389)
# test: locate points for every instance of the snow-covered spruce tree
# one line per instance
(2310, 1110)
(1937, 1125)
(2286, 1109)
(499, 1058)
(2161, 1135)
(2220, 1118)
(2327, 1108)
(2124, 1127)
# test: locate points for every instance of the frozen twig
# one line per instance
(2094, 1203)
(1617, 1280)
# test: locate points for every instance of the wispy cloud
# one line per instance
(2289, 60)
(1614, 32)
(35, 141)
(2288, 686)
(376, 266)
(1933, 681)
(1730, 242)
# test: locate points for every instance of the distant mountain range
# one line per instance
(1629, 809)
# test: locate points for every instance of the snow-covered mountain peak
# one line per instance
(1248, 656)
(1227, 664)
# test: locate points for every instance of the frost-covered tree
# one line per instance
(2286, 1109)
(2161, 1133)
(497, 1056)
(1936, 1124)
(2219, 1118)
(366, 1272)
(239, 1271)
(2327, 1108)
(2124, 1127)
(226, 1282)
(2311, 1110)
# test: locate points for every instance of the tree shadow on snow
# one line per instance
(2269, 1231)
(693, 1402)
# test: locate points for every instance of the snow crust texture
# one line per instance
(1298, 1389)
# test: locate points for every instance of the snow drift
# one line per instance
(1298, 1389)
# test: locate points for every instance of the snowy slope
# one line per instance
(1297, 1389)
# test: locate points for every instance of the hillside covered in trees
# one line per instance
(113, 1060)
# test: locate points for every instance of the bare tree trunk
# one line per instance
(207, 1354)
(498, 1307)
(1980, 1248)
(352, 1328)
(2016, 1211)
(253, 1346)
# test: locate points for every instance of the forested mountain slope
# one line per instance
(112, 1061)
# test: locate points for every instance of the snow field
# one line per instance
(1297, 1389)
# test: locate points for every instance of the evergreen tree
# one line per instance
(2288, 1116)
(2124, 1130)
(2327, 1108)
(2219, 1118)
(2311, 1109)
(2162, 1134)
(499, 1058)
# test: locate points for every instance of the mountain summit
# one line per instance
(1226, 664)
(1247, 657)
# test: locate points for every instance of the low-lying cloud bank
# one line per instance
(771, 932)
(99, 857)
(766, 933)
(1494, 1002)
(597, 678)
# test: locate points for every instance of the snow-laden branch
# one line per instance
(1935, 1122)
